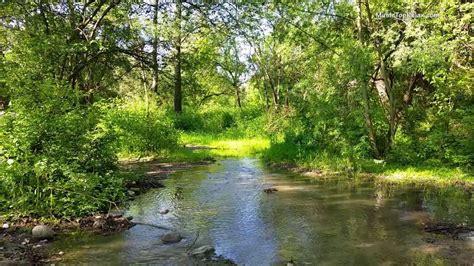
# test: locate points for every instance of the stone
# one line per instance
(115, 214)
(42, 232)
(99, 223)
(202, 252)
(131, 193)
(270, 190)
(172, 237)
(5, 226)
(165, 211)
(469, 236)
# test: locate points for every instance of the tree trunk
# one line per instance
(177, 69)
(237, 96)
(368, 121)
(154, 84)
(365, 95)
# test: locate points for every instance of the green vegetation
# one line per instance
(322, 85)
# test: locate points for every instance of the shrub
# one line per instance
(141, 130)
(57, 160)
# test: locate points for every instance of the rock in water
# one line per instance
(42, 232)
(270, 190)
(202, 252)
(165, 211)
(172, 237)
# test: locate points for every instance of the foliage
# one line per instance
(245, 122)
(140, 129)
(56, 160)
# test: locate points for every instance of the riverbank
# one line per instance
(17, 244)
(389, 174)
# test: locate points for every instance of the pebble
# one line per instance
(5, 226)
(165, 211)
(60, 253)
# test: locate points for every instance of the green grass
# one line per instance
(217, 146)
(419, 174)
(225, 146)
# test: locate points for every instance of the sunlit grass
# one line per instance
(225, 146)
(383, 172)
(440, 176)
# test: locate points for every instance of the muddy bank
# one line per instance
(151, 173)
(18, 244)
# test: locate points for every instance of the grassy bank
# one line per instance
(421, 174)
(383, 172)
(205, 146)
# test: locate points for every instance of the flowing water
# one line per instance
(308, 221)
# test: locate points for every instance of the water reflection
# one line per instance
(330, 221)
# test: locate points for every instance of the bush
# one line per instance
(232, 122)
(140, 131)
(187, 121)
(57, 160)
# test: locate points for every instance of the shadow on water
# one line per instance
(312, 221)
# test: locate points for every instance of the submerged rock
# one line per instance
(172, 237)
(270, 190)
(165, 211)
(469, 236)
(202, 252)
(42, 232)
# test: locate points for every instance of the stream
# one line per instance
(307, 221)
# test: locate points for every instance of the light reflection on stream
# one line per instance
(308, 221)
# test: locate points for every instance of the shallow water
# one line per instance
(308, 221)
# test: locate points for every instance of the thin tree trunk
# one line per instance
(177, 85)
(237, 96)
(365, 95)
(154, 84)
(265, 94)
(368, 121)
